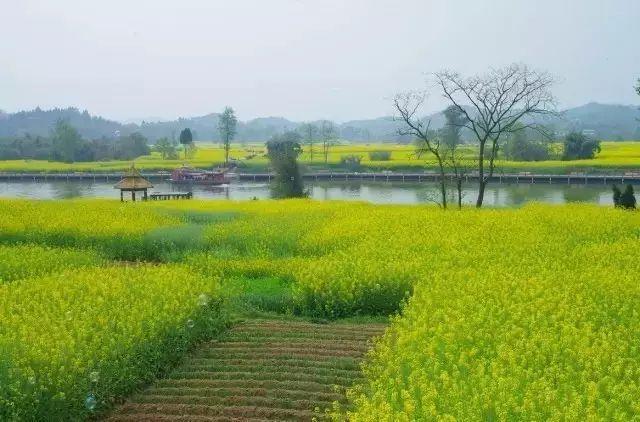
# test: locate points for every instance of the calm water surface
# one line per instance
(505, 195)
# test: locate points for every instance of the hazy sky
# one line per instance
(305, 59)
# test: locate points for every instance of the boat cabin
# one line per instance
(189, 175)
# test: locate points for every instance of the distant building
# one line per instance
(590, 133)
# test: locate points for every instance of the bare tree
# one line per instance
(327, 133)
(454, 154)
(458, 164)
(309, 133)
(407, 106)
(497, 101)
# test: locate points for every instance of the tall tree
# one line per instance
(283, 151)
(498, 100)
(579, 147)
(408, 105)
(309, 132)
(519, 147)
(166, 148)
(131, 146)
(186, 139)
(227, 128)
(66, 141)
(454, 122)
(327, 134)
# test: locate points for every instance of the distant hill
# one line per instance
(610, 122)
(41, 122)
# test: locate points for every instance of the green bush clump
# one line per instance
(380, 155)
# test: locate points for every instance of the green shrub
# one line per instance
(380, 155)
(351, 162)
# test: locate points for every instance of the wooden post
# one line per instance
(121, 197)
(133, 196)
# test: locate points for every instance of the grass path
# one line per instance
(259, 370)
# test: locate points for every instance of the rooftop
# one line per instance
(133, 180)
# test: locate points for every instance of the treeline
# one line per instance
(525, 145)
(66, 144)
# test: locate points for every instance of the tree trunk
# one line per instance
(443, 187)
(459, 186)
(326, 153)
(226, 153)
(481, 187)
(481, 182)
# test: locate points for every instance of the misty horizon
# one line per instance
(302, 60)
(158, 119)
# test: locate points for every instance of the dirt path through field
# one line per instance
(259, 370)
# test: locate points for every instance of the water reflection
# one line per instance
(67, 190)
(509, 195)
(583, 193)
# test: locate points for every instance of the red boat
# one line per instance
(188, 175)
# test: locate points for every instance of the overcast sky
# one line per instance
(304, 59)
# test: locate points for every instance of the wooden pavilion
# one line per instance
(132, 181)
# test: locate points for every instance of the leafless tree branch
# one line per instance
(498, 101)
(407, 106)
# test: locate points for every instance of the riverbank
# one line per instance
(556, 168)
(386, 176)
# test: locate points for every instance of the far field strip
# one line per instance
(615, 158)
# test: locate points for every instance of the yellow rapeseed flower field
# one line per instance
(73, 341)
(501, 314)
(22, 261)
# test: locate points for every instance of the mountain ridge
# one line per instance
(609, 121)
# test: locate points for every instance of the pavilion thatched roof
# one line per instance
(133, 180)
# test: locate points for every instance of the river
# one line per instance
(501, 195)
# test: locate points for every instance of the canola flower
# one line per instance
(61, 221)
(22, 261)
(114, 229)
(513, 314)
(504, 314)
(72, 342)
(531, 316)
